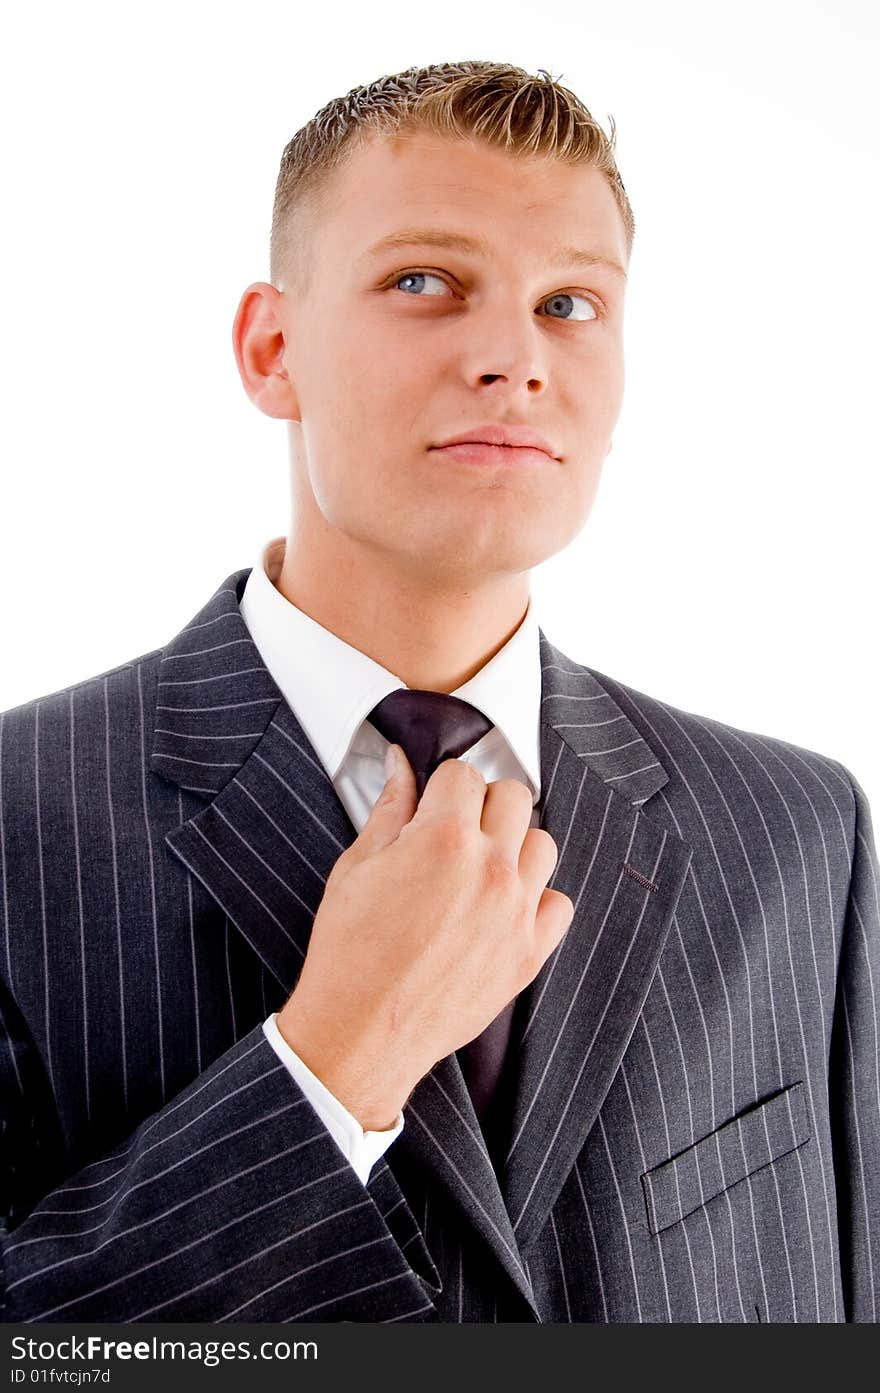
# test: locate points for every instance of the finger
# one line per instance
(537, 859)
(392, 810)
(507, 811)
(454, 789)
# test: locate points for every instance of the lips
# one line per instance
(478, 452)
(493, 433)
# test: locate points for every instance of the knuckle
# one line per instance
(451, 834)
(553, 849)
(515, 789)
(529, 958)
(546, 845)
(564, 902)
(500, 874)
(543, 838)
(469, 772)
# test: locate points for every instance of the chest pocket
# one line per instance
(746, 1144)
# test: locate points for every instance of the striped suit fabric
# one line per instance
(693, 1088)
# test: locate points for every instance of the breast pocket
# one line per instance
(749, 1142)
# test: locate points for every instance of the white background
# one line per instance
(737, 515)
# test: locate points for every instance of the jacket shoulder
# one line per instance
(69, 736)
(89, 689)
(702, 752)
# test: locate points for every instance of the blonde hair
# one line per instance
(501, 104)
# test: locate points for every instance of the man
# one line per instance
(288, 1041)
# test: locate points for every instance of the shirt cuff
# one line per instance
(363, 1149)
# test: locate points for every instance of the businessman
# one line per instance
(295, 1025)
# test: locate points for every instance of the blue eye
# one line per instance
(561, 300)
(564, 301)
(421, 277)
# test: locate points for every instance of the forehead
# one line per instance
(389, 183)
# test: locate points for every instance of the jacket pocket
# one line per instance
(750, 1141)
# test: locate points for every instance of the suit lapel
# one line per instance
(264, 846)
(624, 873)
(267, 839)
(265, 843)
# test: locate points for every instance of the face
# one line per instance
(390, 350)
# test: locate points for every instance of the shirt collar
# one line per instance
(332, 687)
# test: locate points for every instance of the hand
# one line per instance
(433, 919)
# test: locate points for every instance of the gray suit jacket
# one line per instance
(693, 1088)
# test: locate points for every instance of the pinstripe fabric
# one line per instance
(693, 1081)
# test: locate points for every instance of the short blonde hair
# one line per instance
(501, 104)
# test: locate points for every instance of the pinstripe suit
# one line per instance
(694, 1087)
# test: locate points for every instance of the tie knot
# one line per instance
(430, 727)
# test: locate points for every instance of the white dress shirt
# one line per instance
(331, 688)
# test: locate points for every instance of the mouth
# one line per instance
(478, 452)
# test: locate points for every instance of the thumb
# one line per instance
(394, 807)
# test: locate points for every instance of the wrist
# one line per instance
(354, 1075)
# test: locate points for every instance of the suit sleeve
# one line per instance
(233, 1202)
(855, 1077)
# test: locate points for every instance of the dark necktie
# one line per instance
(431, 727)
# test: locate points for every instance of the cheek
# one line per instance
(594, 401)
(605, 368)
(614, 376)
(368, 382)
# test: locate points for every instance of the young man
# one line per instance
(286, 1041)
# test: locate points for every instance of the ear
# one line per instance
(259, 345)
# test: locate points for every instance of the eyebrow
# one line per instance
(458, 241)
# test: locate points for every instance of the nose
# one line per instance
(507, 347)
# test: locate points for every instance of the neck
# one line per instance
(434, 635)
